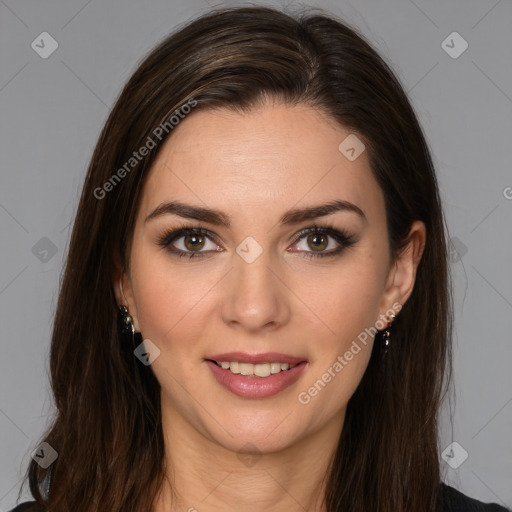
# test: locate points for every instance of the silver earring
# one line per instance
(386, 337)
(126, 321)
(124, 315)
(127, 327)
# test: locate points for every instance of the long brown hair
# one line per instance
(107, 427)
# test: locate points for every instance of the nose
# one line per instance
(256, 296)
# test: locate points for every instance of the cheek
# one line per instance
(342, 300)
(342, 345)
(171, 298)
(345, 302)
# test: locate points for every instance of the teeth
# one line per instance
(258, 370)
(235, 368)
(275, 367)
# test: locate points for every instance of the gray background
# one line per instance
(52, 111)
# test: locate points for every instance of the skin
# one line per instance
(254, 167)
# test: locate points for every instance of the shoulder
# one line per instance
(454, 501)
(28, 506)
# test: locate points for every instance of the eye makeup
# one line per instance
(168, 239)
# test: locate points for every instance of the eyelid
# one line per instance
(327, 229)
(170, 235)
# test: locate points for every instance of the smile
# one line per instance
(258, 370)
(253, 381)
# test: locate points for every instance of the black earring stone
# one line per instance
(126, 321)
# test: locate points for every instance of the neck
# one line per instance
(204, 475)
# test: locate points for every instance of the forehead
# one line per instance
(273, 156)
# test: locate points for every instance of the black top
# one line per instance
(453, 501)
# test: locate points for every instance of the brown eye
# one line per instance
(322, 241)
(193, 242)
(189, 242)
(318, 241)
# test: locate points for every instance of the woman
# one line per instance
(255, 312)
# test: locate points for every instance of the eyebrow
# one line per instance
(218, 218)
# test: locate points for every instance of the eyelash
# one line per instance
(342, 237)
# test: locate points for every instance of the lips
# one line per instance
(251, 387)
(267, 357)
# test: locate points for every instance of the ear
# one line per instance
(123, 289)
(402, 274)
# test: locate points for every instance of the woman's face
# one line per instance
(250, 284)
